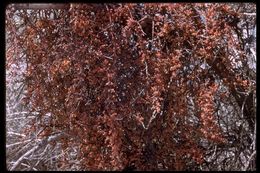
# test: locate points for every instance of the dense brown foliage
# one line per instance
(147, 86)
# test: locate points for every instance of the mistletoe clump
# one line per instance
(133, 85)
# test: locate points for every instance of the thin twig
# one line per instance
(146, 69)
(17, 134)
(17, 143)
(249, 14)
(249, 160)
(139, 94)
(108, 57)
(152, 30)
(42, 143)
(17, 163)
(109, 15)
(242, 109)
(29, 166)
(130, 12)
(151, 119)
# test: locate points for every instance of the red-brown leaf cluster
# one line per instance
(118, 77)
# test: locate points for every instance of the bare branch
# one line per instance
(41, 6)
(249, 14)
(29, 166)
(249, 160)
(17, 134)
(42, 143)
(17, 163)
(146, 69)
(17, 143)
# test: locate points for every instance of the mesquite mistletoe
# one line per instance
(140, 86)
